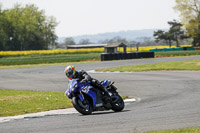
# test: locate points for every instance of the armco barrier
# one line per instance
(124, 56)
(172, 49)
(190, 48)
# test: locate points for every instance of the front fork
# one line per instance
(81, 96)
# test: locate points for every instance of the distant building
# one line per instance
(112, 48)
(86, 46)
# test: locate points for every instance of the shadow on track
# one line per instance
(105, 112)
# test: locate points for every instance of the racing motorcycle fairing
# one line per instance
(87, 89)
(75, 86)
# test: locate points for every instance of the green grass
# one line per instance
(15, 102)
(193, 65)
(185, 130)
(46, 59)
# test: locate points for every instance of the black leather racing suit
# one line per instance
(83, 76)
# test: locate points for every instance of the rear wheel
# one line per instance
(84, 108)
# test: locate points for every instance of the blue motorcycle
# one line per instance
(87, 99)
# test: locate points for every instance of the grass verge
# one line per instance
(185, 130)
(192, 65)
(17, 102)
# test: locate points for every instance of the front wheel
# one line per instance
(118, 103)
(84, 108)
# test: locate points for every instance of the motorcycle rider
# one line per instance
(84, 77)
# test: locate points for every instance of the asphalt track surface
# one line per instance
(166, 99)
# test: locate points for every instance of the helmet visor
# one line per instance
(69, 75)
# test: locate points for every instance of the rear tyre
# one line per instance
(118, 103)
(83, 108)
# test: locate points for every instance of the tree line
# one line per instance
(188, 28)
(26, 28)
(190, 18)
(174, 34)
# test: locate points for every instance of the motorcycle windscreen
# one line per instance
(71, 83)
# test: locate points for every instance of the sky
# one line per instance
(80, 17)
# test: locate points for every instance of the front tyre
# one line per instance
(83, 108)
(118, 103)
